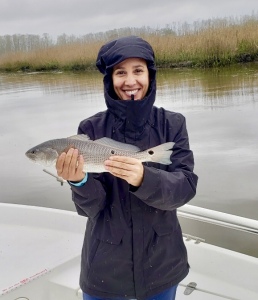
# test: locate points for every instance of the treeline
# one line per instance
(29, 42)
(208, 43)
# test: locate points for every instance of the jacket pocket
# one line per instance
(101, 243)
(166, 256)
(108, 264)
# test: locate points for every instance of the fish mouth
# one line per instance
(31, 156)
(28, 154)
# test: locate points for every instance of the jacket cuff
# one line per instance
(150, 184)
(81, 183)
(85, 190)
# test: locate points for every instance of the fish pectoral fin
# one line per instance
(116, 145)
(80, 137)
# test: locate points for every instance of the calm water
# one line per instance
(221, 108)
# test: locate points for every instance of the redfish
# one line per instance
(97, 151)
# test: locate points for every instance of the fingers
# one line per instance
(120, 164)
(70, 162)
(69, 165)
(60, 163)
(127, 168)
(80, 166)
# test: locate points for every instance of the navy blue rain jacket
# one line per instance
(133, 245)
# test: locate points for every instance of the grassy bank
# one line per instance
(206, 44)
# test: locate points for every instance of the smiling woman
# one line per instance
(133, 242)
(131, 78)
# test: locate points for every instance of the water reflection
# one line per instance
(220, 107)
(209, 88)
(201, 87)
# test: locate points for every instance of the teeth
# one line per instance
(129, 93)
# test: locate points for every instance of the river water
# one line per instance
(220, 106)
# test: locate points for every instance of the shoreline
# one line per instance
(167, 66)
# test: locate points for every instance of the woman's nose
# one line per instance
(130, 79)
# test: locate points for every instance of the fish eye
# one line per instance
(112, 152)
(34, 151)
(151, 152)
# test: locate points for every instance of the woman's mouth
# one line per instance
(131, 92)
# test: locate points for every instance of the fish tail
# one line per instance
(162, 153)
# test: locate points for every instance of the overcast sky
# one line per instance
(80, 17)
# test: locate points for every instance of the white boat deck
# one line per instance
(40, 260)
(36, 241)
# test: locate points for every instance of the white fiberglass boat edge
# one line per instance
(40, 257)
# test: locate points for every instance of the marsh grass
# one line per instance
(218, 43)
(210, 47)
(65, 57)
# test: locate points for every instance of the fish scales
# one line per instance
(94, 154)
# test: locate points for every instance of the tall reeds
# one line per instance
(211, 43)
(63, 57)
(216, 44)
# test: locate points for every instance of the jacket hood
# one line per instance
(120, 49)
(134, 114)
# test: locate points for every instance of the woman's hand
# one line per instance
(127, 168)
(69, 165)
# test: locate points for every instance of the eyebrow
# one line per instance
(136, 66)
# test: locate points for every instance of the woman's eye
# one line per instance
(120, 73)
(138, 70)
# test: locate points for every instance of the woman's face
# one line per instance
(131, 77)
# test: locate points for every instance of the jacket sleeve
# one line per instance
(90, 198)
(170, 187)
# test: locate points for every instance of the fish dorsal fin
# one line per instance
(80, 137)
(116, 145)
